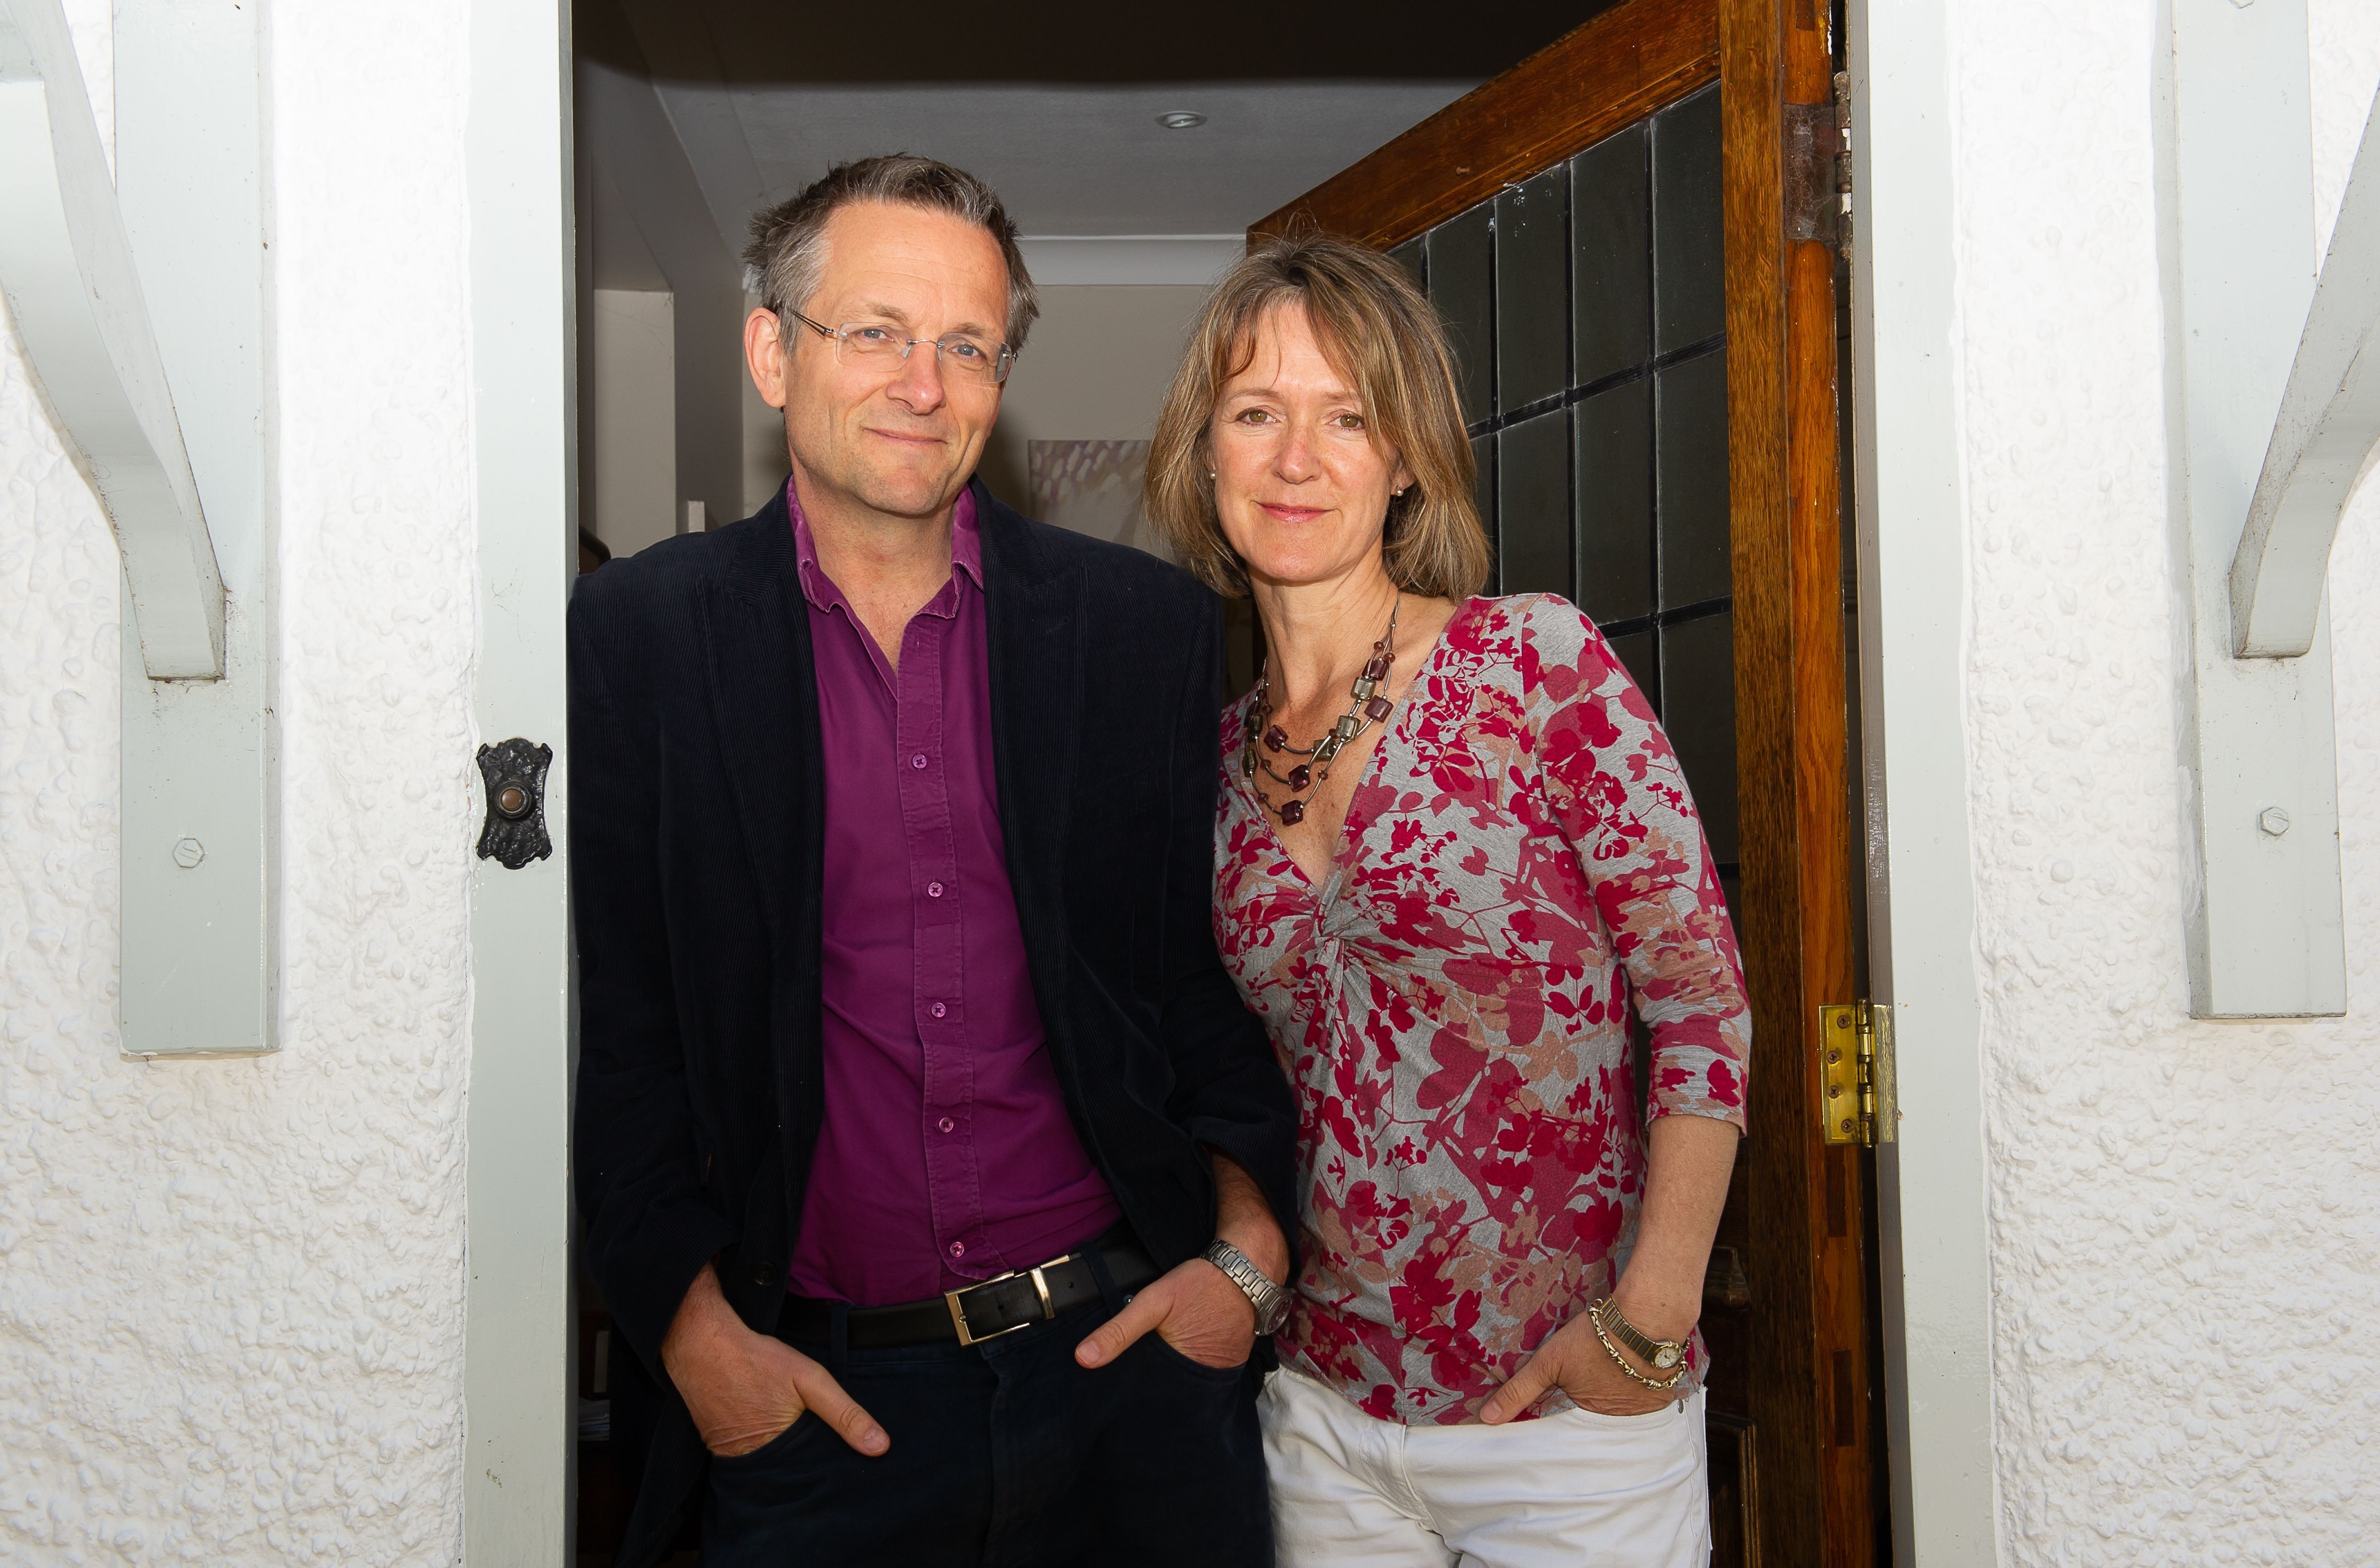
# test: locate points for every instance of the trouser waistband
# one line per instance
(976, 1312)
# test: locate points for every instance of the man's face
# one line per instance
(894, 436)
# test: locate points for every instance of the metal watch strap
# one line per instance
(1661, 1355)
(1270, 1300)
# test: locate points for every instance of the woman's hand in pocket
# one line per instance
(1574, 1359)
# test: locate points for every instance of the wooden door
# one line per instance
(1647, 320)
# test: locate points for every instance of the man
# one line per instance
(890, 825)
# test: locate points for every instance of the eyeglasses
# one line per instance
(874, 342)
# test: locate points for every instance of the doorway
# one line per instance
(1597, 197)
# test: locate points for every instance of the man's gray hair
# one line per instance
(787, 252)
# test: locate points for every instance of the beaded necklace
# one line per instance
(1367, 708)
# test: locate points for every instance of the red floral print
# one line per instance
(1520, 868)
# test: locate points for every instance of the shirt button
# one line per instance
(917, 761)
(947, 1125)
(938, 1010)
(958, 1248)
(933, 889)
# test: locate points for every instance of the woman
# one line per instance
(1454, 849)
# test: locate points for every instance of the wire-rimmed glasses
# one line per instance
(881, 343)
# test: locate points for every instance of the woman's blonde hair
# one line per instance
(1380, 333)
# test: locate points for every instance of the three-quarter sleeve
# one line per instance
(1616, 792)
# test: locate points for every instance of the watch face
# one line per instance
(1665, 1357)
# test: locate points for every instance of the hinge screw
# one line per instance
(188, 852)
(2273, 820)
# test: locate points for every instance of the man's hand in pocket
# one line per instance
(745, 1388)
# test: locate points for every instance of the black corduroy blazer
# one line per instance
(697, 833)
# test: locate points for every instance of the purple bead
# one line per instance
(1376, 708)
(1276, 737)
(1293, 813)
(1300, 777)
(1379, 669)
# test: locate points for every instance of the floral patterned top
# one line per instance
(1521, 863)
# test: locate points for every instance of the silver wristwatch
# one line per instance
(1270, 1300)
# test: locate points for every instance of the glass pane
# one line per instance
(1691, 439)
(1533, 504)
(1611, 258)
(1531, 291)
(1698, 710)
(1482, 495)
(1689, 258)
(1408, 255)
(1462, 256)
(1613, 436)
(1636, 651)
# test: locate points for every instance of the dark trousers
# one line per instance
(1007, 1454)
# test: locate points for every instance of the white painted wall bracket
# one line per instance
(2265, 933)
(141, 300)
(2328, 422)
(77, 301)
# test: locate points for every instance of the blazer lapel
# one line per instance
(1034, 614)
(764, 703)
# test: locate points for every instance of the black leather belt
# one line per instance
(975, 1314)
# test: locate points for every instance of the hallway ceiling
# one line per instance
(1056, 105)
(1094, 160)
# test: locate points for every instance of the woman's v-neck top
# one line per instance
(1521, 864)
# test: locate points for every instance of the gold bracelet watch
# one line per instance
(1661, 1355)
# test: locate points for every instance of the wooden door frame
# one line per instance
(1784, 485)
(1659, 51)
(1794, 783)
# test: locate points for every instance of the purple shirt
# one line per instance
(947, 1156)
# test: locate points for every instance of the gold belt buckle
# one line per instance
(1041, 1288)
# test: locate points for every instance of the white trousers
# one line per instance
(1577, 1489)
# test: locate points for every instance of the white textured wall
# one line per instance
(230, 1292)
(2185, 1216)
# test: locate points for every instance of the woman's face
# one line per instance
(1302, 484)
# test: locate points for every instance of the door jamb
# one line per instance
(1932, 1221)
(519, 1419)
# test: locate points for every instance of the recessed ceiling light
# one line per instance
(1180, 119)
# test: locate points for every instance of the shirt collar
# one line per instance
(967, 548)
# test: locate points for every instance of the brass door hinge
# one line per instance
(1856, 1083)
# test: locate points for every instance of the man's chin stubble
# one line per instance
(921, 500)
